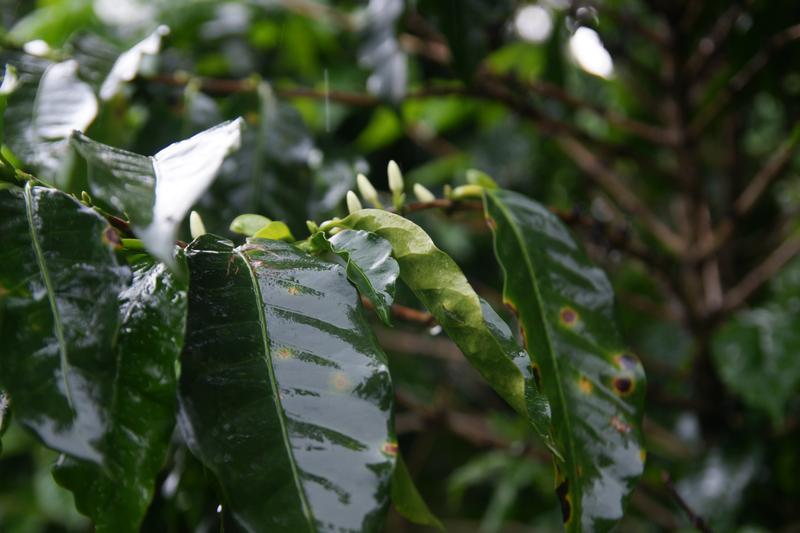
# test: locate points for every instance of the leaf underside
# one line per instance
(595, 386)
(284, 392)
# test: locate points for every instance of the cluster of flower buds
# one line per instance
(396, 186)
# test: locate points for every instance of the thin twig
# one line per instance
(745, 202)
(406, 314)
(714, 41)
(743, 77)
(762, 273)
(695, 519)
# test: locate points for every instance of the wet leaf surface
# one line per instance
(565, 307)
(473, 325)
(59, 282)
(157, 192)
(284, 392)
(369, 263)
(141, 410)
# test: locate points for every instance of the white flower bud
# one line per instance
(422, 193)
(196, 226)
(353, 204)
(367, 191)
(395, 179)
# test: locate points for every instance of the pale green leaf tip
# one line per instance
(479, 177)
(276, 231)
(248, 224)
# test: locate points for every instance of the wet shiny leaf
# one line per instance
(565, 307)
(473, 325)
(141, 408)
(52, 102)
(59, 322)
(248, 224)
(284, 392)
(369, 262)
(755, 352)
(157, 192)
(407, 499)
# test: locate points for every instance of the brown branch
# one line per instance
(745, 202)
(654, 134)
(742, 78)
(762, 273)
(406, 314)
(713, 43)
(620, 192)
(695, 519)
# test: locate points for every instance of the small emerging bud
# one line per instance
(367, 191)
(353, 204)
(395, 179)
(196, 226)
(422, 193)
(312, 226)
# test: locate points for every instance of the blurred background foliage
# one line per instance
(662, 130)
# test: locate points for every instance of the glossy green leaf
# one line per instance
(407, 500)
(141, 408)
(755, 352)
(126, 67)
(156, 192)
(565, 307)
(59, 281)
(284, 391)
(369, 262)
(276, 231)
(42, 116)
(473, 325)
(248, 224)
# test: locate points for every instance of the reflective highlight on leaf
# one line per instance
(59, 322)
(157, 192)
(297, 440)
(440, 285)
(141, 405)
(596, 389)
(369, 262)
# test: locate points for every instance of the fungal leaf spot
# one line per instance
(562, 491)
(620, 425)
(624, 385)
(584, 385)
(568, 317)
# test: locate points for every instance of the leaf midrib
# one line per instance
(548, 334)
(48, 283)
(262, 321)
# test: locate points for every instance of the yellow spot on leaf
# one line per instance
(293, 290)
(284, 353)
(390, 448)
(339, 381)
(584, 385)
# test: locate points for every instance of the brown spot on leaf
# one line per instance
(568, 316)
(293, 290)
(624, 385)
(390, 448)
(620, 425)
(111, 238)
(562, 491)
(537, 375)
